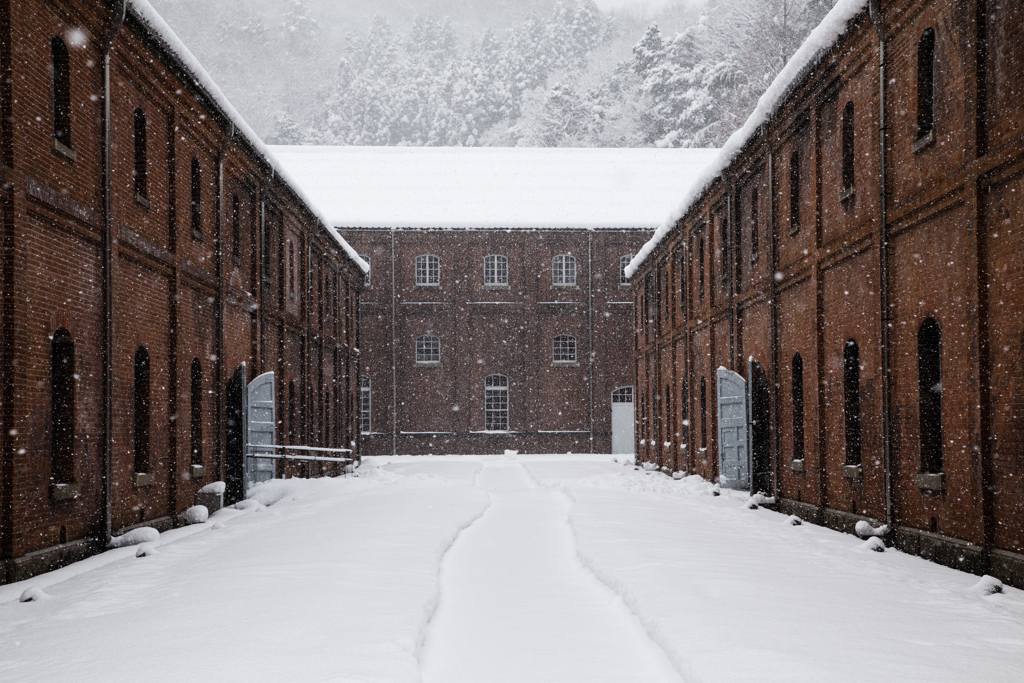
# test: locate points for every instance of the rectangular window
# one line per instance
(564, 349)
(496, 270)
(623, 262)
(428, 270)
(563, 270)
(496, 403)
(428, 349)
(364, 405)
(368, 268)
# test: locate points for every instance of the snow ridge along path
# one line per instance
(517, 605)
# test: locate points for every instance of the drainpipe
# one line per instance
(117, 10)
(394, 355)
(875, 10)
(219, 310)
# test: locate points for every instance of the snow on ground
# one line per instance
(526, 569)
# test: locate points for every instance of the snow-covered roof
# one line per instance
(494, 187)
(821, 39)
(148, 17)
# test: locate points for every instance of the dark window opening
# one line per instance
(142, 410)
(61, 92)
(851, 401)
(794, 193)
(848, 153)
(236, 232)
(197, 196)
(140, 154)
(723, 251)
(62, 407)
(701, 257)
(798, 407)
(293, 431)
(703, 414)
(929, 385)
(926, 83)
(197, 412)
(754, 234)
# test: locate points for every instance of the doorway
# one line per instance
(760, 449)
(622, 421)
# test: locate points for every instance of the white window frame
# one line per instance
(563, 270)
(428, 270)
(496, 270)
(365, 405)
(623, 262)
(428, 349)
(622, 392)
(563, 349)
(496, 404)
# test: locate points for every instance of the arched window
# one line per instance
(723, 251)
(851, 401)
(291, 267)
(564, 349)
(62, 407)
(428, 349)
(563, 270)
(794, 193)
(623, 262)
(701, 257)
(495, 270)
(364, 405)
(798, 407)
(622, 395)
(703, 413)
(61, 92)
(929, 386)
(754, 233)
(848, 153)
(293, 414)
(141, 167)
(197, 197)
(428, 270)
(197, 412)
(141, 410)
(496, 403)
(236, 232)
(926, 84)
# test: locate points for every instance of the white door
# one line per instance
(622, 421)
(262, 428)
(733, 453)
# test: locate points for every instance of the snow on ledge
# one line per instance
(821, 39)
(159, 28)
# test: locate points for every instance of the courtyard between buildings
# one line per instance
(524, 568)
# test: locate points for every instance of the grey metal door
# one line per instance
(733, 450)
(261, 427)
(622, 421)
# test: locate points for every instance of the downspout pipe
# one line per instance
(117, 14)
(221, 295)
(875, 11)
(773, 308)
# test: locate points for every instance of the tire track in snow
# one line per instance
(518, 605)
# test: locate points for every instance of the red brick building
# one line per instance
(871, 282)
(151, 246)
(495, 315)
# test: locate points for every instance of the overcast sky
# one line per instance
(614, 4)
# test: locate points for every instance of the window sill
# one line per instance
(794, 231)
(61, 492)
(198, 471)
(927, 481)
(853, 472)
(923, 142)
(797, 466)
(197, 235)
(142, 201)
(428, 364)
(572, 286)
(847, 193)
(142, 480)
(62, 150)
(564, 364)
(428, 284)
(496, 286)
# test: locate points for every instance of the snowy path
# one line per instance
(516, 604)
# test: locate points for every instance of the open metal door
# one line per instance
(733, 447)
(237, 417)
(261, 429)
